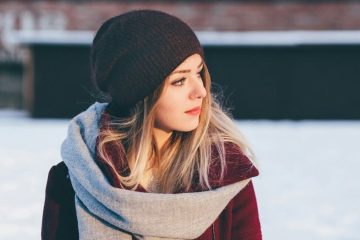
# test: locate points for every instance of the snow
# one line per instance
(207, 38)
(309, 184)
(307, 189)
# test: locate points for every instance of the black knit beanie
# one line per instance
(134, 52)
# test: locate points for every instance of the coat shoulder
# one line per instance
(59, 215)
(238, 166)
(58, 183)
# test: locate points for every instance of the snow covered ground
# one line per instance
(308, 188)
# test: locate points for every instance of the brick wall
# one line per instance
(201, 15)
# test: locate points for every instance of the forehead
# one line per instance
(192, 61)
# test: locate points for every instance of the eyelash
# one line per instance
(182, 80)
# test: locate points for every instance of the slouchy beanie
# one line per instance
(134, 52)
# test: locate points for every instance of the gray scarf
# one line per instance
(106, 212)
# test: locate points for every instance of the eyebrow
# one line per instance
(187, 70)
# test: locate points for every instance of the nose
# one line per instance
(198, 90)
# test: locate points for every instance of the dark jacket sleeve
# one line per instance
(59, 215)
(245, 215)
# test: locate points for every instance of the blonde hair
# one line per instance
(184, 155)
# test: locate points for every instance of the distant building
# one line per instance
(298, 59)
(201, 15)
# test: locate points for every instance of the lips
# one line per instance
(195, 109)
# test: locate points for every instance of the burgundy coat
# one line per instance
(239, 220)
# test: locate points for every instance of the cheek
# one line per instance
(169, 112)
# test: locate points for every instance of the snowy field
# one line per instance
(308, 188)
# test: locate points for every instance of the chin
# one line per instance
(189, 128)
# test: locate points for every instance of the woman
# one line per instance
(162, 160)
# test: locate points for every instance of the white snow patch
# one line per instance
(307, 189)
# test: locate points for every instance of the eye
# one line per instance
(176, 83)
(181, 81)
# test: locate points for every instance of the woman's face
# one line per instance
(184, 90)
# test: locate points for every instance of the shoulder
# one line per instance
(59, 214)
(58, 183)
(238, 166)
(60, 169)
(58, 172)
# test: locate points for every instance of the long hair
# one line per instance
(184, 156)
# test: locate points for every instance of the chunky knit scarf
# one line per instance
(106, 212)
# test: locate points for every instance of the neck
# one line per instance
(161, 136)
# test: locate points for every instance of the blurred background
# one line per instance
(288, 70)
